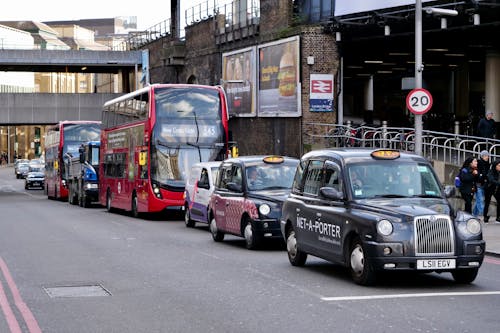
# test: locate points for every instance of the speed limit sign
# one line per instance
(419, 101)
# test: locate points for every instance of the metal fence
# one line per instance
(230, 14)
(449, 148)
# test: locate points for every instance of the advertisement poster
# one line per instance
(279, 88)
(321, 93)
(238, 78)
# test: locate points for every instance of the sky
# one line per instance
(148, 13)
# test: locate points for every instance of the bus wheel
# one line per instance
(135, 212)
(108, 202)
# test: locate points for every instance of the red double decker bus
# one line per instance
(61, 139)
(150, 139)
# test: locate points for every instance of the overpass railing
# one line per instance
(450, 148)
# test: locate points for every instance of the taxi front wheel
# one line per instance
(252, 240)
(296, 257)
(361, 269)
(465, 276)
(187, 218)
(217, 235)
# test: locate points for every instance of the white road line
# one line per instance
(370, 297)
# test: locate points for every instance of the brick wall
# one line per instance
(203, 63)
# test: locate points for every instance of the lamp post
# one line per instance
(418, 72)
(419, 67)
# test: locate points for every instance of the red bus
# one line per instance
(150, 139)
(60, 139)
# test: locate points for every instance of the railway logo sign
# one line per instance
(321, 93)
(419, 101)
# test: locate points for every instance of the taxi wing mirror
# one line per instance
(204, 185)
(231, 186)
(331, 193)
(449, 191)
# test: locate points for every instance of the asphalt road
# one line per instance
(69, 269)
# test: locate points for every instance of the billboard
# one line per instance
(238, 80)
(279, 87)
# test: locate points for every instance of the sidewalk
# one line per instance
(491, 234)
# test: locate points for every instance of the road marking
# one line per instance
(7, 311)
(28, 317)
(491, 260)
(370, 297)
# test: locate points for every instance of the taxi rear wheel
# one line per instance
(217, 235)
(465, 275)
(361, 269)
(296, 257)
(252, 240)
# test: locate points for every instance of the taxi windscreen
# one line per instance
(392, 180)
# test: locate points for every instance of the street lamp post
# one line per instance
(419, 66)
(418, 72)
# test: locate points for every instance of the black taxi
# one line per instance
(378, 210)
(248, 196)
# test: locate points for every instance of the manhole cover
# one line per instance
(77, 291)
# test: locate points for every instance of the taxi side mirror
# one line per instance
(204, 185)
(449, 191)
(331, 193)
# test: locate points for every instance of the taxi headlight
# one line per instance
(384, 227)
(264, 209)
(473, 226)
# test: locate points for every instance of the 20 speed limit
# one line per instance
(419, 101)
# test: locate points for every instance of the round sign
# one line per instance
(419, 101)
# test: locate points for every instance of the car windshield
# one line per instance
(391, 179)
(35, 175)
(270, 176)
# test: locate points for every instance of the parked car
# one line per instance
(22, 170)
(375, 211)
(248, 196)
(199, 188)
(34, 179)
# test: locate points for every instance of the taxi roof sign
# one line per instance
(385, 154)
(273, 159)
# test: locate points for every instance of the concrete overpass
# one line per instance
(48, 108)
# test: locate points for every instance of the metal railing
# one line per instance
(449, 148)
(229, 15)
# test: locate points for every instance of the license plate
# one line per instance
(436, 263)
(35, 184)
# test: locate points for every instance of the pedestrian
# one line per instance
(486, 127)
(494, 184)
(468, 176)
(483, 166)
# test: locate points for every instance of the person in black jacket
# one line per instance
(486, 126)
(468, 177)
(494, 185)
(483, 166)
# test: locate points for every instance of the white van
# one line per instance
(199, 188)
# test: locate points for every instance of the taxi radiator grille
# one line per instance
(434, 236)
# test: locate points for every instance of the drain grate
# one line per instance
(95, 290)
